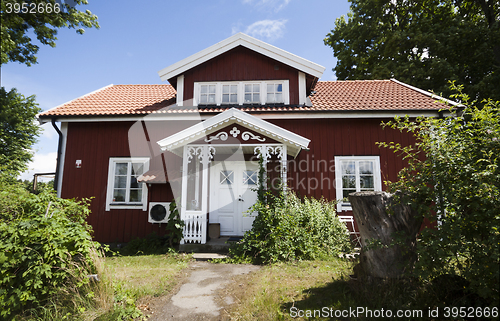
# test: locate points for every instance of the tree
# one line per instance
(454, 172)
(18, 131)
(16, 42)
(425, 43)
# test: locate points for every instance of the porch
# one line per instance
(219, 173)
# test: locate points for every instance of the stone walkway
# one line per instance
(197, 297)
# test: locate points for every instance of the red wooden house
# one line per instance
(135, 148)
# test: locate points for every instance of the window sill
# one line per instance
(125, 206)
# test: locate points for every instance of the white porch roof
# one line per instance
(295, 143)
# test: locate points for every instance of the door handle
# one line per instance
(240, 199)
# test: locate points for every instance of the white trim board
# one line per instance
(265, 115)
(433, 96)
(295, 142)
(241, 39)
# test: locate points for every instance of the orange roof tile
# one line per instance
(370, 95)
(359, 95)
(118, 100)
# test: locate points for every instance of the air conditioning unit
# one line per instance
(158, 212)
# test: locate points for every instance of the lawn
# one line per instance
(134, 280)
(268, 294)
(146, 275)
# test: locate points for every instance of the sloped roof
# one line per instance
(241, 39)
(330, 96)
(117, 100)
(371, 95)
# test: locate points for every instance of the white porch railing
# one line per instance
(195, 229)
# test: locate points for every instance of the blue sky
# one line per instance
(139, 38)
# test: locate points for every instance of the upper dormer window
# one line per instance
(252, 93)
(243, 92)
(275, 93)
(207, 94)
(229, 94)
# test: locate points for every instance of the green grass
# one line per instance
(137, 278)
(279, 291)
(147, 275)
(267, 294)
(124, 281)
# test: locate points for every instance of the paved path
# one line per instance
(197, 298)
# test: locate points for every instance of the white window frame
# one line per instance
(230, 93)
(252, 93)
(377, 177)
(272, 83)
(241, 91)
(111, 182)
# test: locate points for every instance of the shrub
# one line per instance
(45, 248)
(454, 171)
(288, 228)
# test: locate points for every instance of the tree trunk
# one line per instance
(380, 218)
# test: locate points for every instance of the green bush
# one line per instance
(288, 228)
(454, 171)
(45, 249)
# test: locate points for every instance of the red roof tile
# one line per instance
(359, 95)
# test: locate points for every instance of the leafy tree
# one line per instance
(18, 131)
(16, 42)
(454, 171)
(425, 43)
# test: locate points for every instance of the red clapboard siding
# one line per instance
(241, 64)
(339, 137)
(94, 144)
(310, 174)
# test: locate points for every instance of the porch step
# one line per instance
(208, 256)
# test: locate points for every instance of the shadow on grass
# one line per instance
(151, 244)
(347, 299)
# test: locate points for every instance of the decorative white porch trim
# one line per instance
(295, 143)
(266, 151)
(234, 132)
(195, 228)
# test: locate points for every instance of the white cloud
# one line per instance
(42, 163)
(267, 29)
(277, 5)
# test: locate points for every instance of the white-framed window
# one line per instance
(356, 174)
(207, 94)
(242, 92)
(230, 94)
(252, 93)
(124, 191)
(274, 93)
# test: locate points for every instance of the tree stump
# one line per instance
(379, 217)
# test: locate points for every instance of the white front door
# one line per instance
(232, 193)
